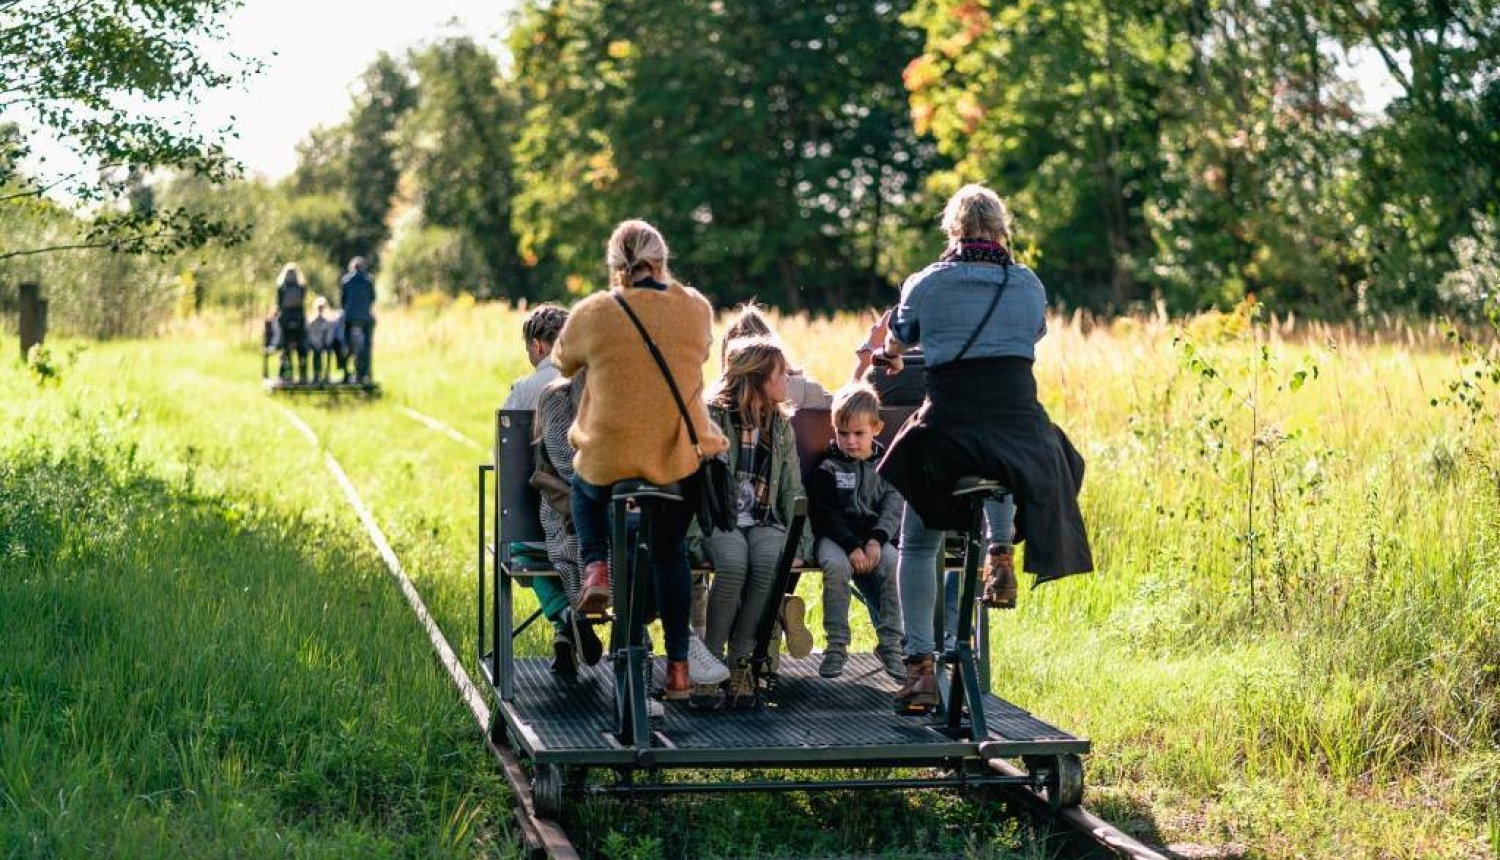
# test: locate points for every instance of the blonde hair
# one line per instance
(854, 400)
(976, 212)
(635, 247)
(291, 273)
(749, 363)
(749, 322)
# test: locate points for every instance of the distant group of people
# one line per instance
(320, 344)
(960, 343)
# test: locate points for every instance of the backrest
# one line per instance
(814, 431)
(520, 503)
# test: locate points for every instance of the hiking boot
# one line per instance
(999, 578)
(919, 694)
(893, 663)
(741, 693)
(706, 697)
(679, 684)
(799, 640)
(704, 667)
(589, 649)
(564, 661)
(833, 663)
(593, 598)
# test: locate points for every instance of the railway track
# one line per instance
(1088, 834)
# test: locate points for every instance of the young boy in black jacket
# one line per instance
(855, 513)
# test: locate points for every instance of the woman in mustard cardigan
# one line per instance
(628, 426)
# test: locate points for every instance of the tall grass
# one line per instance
(1306, 664)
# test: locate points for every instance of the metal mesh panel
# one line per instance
(851, 711)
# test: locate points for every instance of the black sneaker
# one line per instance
(590, 649)
(833, 663)
(894, 663)
(564, 661)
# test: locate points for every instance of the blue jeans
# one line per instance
(917, 567)
(670, 573)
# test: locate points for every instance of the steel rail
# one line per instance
(540, 835)
(1075, 818)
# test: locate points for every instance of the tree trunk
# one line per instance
(33, 317)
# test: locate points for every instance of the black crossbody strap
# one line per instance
(666, 372)
(994, 303)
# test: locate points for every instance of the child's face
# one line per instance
(856, 437)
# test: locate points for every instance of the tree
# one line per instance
(770, 141)
(78, 71)
(1056, 106)
(355, 163)
(456, 152)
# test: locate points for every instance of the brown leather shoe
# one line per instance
(679, 685)
(593, 598)
(999, 578)
(919, 694)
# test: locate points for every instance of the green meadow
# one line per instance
(1291, 647)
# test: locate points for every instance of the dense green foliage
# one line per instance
(1328, 158)
(1186, 151)
(79, 73)
(770, 142)
(1204, 149)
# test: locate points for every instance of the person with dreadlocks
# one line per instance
(539, 332)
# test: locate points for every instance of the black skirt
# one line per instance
(982, 418)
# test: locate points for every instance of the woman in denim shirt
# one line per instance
(977, 316)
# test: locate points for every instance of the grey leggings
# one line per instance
(744, 573)
(916, 571)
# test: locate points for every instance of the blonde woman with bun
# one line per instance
(977, 315)
(628, 426)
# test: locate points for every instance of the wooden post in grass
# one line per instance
(33, 317)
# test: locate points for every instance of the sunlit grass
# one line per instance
(1332, 693)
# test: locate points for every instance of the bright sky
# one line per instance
(313, 50)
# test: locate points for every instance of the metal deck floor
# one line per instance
(812, 721)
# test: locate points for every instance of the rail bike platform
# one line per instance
(274, 384)
(838, 733)
(810, 721)
(284, 386)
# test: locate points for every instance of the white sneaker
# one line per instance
(703, 667)
(655, 710)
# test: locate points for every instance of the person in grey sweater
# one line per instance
(539, 331)
(322, 338)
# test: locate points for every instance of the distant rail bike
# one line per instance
(566, 730)
(277, 384)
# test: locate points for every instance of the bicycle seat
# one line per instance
(635, 488)
(969, 485)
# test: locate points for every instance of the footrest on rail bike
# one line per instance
(602, 616)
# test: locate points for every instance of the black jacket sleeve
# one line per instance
(891, 508)
(828, 518)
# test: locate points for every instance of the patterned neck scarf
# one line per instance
(978, 251)
(752, 476)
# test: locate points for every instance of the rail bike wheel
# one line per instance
(1062, 778)
(547, 790)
